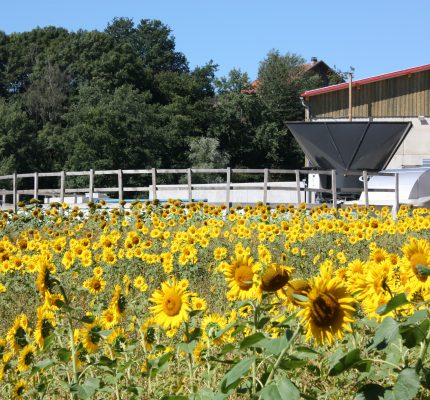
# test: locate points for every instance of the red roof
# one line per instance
(359, 82)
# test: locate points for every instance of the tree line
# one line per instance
(126, 98)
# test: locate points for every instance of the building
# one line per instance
(397, 96)
(318, 67)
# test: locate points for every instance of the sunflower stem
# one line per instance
(190, 359)
(281, 355)
(420, 362)
(72, 336)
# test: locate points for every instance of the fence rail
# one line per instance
(61, 191)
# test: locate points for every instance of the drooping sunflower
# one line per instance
(172, 305)
(212, 325)
(242, 275)
(19, 389)
(295, 287)
(148, 330)
(118, 304)
(44, 282)
(90, 335)
(26, 358)
(275, 277)
(328, 311)
(416, 252)
(44, 325)
(18, 333)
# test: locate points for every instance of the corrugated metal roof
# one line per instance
(364, 81)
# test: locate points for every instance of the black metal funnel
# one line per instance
(349, 146)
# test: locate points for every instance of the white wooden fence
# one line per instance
(120, 189)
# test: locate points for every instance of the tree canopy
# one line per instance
(125, 97)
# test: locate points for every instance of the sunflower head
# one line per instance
(417, 251)
(171, 305)
(328, 311)
(275, 277)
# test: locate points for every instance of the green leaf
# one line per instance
(371, 391)
(345, 362)
(87, 389)
(44, 364)
(413, 335)
(406, 386)
(300, 297)
(64, 354)
(423, 270)
(395, 302)
(417, 316)
(187, 347)
(87, 319)
(274, 346)
(251, 340)
(387, 332)
(280, 390)
(292, 364)
(227, 348)
(236, 373)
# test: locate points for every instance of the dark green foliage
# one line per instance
(126, 98)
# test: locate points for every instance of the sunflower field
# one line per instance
(193, 301)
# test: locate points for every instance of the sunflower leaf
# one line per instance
(235, 374)
(281, 389)
(251, 340)
(397, 301)
(387, 332)
(371, 391)
(423, 270)
(350, 360)
(300, 297)
(406, 386)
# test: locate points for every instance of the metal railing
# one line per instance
(189, 186)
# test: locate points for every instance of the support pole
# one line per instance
(62, 186)
(91, 188)
(266, 178)
(15, 192)
(333, 187)
(190, 190)
(154, 184)
(227, 188)
(299, 197)
(366, 189)
(36, 186)
(350, 97)
(396, 196)
(120, 186)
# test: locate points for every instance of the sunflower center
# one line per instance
(243, 276)
(418, 259)
(273, 280)
(324, 310)
(172, 304)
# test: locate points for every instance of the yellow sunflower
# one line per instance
(26, 358)
(328, 311)
(44, 325)
(171, 305)
(243, 278)
(19, 389)
(90, 335)
(18, 333)
(275, 277)
(212, 325)
(416, 252)
(95, 284)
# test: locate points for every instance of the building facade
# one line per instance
(397, 96)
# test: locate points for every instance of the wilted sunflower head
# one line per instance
(297, 287)
(275, 277)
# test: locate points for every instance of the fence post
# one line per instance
(120, 186)
(62, 186)
(36, 185)
(299, 197)
(333, 187)
(227, 188)
(266, 178)
(15, 194)
(190, 190)
(396, 196)
(154, 184)
(366, 189)
(91, 188)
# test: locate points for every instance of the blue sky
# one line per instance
(374, 37)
